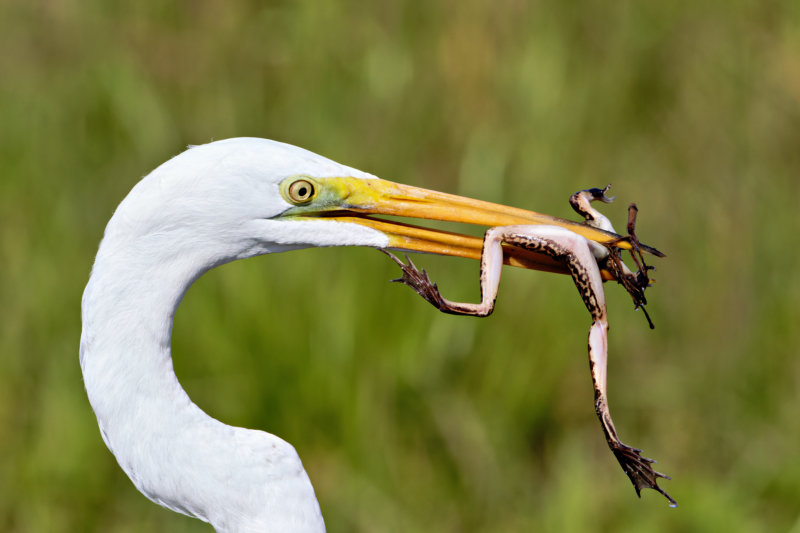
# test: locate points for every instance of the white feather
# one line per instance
(208, 206)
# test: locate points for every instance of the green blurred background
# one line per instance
(409, 420)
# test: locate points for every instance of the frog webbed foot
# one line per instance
(639, 470)
(418, 280)
(634, 282)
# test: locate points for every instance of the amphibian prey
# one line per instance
(584, 259)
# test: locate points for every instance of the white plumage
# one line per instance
(208, 206)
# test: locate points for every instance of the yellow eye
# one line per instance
(301, 191)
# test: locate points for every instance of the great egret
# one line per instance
(239, 198)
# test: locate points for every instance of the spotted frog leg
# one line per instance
(581, 256)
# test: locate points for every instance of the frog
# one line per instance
(585, 259)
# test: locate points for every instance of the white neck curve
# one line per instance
(178, 456)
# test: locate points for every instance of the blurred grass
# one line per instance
(408, 420)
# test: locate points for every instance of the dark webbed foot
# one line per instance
(418, 280)
(639, 470)
(634, 282)
(636, 467)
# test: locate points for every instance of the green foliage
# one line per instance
(408, 420)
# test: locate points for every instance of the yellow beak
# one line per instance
(351, 200)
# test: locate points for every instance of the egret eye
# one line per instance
(301, 191)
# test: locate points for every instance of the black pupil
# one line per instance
(302, 191)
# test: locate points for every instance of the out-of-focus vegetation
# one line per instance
(408, 420)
